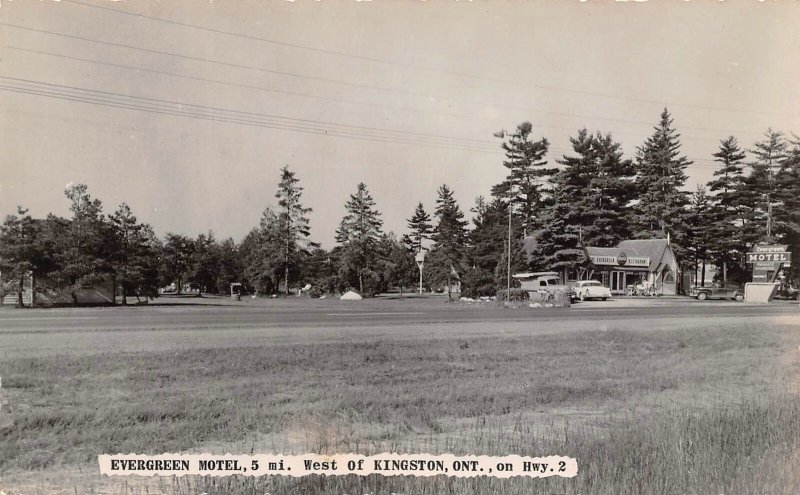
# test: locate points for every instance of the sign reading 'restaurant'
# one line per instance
(621, 260)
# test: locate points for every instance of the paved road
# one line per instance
(219, 315)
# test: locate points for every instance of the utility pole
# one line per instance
(502, 134)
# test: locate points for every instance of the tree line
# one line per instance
(593, 196)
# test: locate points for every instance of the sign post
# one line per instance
(420, 259)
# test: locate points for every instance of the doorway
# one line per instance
(618, 282)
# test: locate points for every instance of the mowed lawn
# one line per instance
(674, 405)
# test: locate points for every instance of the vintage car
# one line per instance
(786, 291)
(718, 291)
(591, 289)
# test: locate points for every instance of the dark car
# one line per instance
(786, 291)
(718, 291)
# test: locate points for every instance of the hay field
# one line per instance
(700, 405)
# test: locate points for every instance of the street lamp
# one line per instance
(501, 134)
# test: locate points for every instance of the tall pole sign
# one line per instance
(768, 260)
(420, 259)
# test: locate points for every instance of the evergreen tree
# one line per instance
(486, 264)
(293, 218)
(609, 192)
(443, 264)
(230, 265)
(20, 253)
(727, 218)
(769, 155)
(262, 254)
(558, 245)
(660, 176)
(397, 263)
(788, 197)
(134, 260)
(729, 174)
(84, 252)
(176, 259)
(358, 235)
(527, 175)
(588, 206)
(450, 233)
(420, 226)
(699, 236)
(204, 264)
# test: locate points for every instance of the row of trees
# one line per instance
(591, 196)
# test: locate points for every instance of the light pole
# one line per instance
(502, 134)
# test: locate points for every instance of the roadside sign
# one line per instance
(767, 260)
(770, 248)
(420, 259)
(769, 257)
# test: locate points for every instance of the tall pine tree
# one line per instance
(359, 234)
(699, 236)
(660, 176)
(788, 196)
(294, 224)
(420, 229)
(527, 176)
(762, 183)
(443, 264)
(727, 219)
(610, 190)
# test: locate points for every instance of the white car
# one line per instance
(591, 289)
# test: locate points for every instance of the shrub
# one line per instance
(516, 294)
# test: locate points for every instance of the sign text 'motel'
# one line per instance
(769, 257)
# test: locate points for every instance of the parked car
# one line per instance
(591, 289)
(718, 291)
(786, 291)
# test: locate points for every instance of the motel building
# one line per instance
(636, 262)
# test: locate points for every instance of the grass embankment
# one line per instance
(669, 411)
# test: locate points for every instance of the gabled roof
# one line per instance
(647, 248)
(601, 251)
(655, 249)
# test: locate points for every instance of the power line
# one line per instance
(180, 109)
(274, 90)
(304, 95)
(363, 86)
(422, 67)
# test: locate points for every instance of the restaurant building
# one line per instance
(636, 262)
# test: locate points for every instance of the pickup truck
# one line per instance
(718, 291)
(549, 282)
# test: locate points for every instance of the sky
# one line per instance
(187, 111)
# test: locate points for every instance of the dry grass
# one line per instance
(696, 410)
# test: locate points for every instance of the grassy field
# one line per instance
(690, 406)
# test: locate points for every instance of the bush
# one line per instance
(516, 294)
(315, 292)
